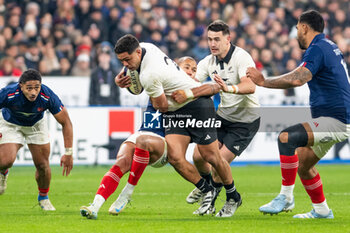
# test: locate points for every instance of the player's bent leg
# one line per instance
(291, 138)
(110, 180)
(40, 154)
(177, 145)
(148, 150)
(204, 169)
(312, 183)
(211, 154)
(229, 156)
(8, 152)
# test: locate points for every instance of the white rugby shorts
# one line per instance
(327, 132)
(163, 159)
(11, 133)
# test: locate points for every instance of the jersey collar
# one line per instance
(317, 38)
(228, 56)
(142, 55)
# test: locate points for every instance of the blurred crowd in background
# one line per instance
(76, 37)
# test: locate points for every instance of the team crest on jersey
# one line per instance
(316, 124)
(40, 109)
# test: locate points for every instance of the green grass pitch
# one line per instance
(159, 204)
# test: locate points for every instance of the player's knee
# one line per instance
(5, 163)
(176, 162)
(197, 158)
(291, 138)
(143, 142)
(210, 158)
(283, 137)
(42, 167)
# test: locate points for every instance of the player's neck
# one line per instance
(223, 55)
(311, 37)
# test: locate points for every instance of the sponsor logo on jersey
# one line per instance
(236, 147)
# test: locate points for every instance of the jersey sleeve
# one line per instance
(3, 97)
(55, 104)
(245, 61)
(313, 59)
(152, 84)
(202, 71)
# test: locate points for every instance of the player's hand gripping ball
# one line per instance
(135, 86)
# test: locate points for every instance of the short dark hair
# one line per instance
(314, 19)
(127, 43)
(29, 75)
(219, 26)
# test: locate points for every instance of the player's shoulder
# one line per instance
(47, 92)
(45, 88)
(240, 52)
(10, 89)
(207, 60)
(149, 47)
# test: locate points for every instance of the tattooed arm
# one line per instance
(295, 78)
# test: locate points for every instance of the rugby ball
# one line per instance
(136, 87)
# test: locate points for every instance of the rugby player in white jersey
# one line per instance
(191, 121)
(238, 110)
(145, 147)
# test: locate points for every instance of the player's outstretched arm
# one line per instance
(208, 89)
(246, 86)
(67, 129)
(295, 78)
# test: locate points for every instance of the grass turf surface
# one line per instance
(159, 204)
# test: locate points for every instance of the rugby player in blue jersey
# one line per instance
(22, 121)
(301, 146)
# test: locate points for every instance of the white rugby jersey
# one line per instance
(159, 74)
(233, 107)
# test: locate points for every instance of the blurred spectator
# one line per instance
(82, 66)
(50, 59)
(82, 11)
(65, 49)
(65, 67)
(11, 50)
(33, 56)
(103, 90)
(201, 50)
(7, 67)
(77, 27)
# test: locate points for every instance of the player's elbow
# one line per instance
(161, 107)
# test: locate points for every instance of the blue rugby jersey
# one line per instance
(330, 85)
(17, 109)
(152, 121)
